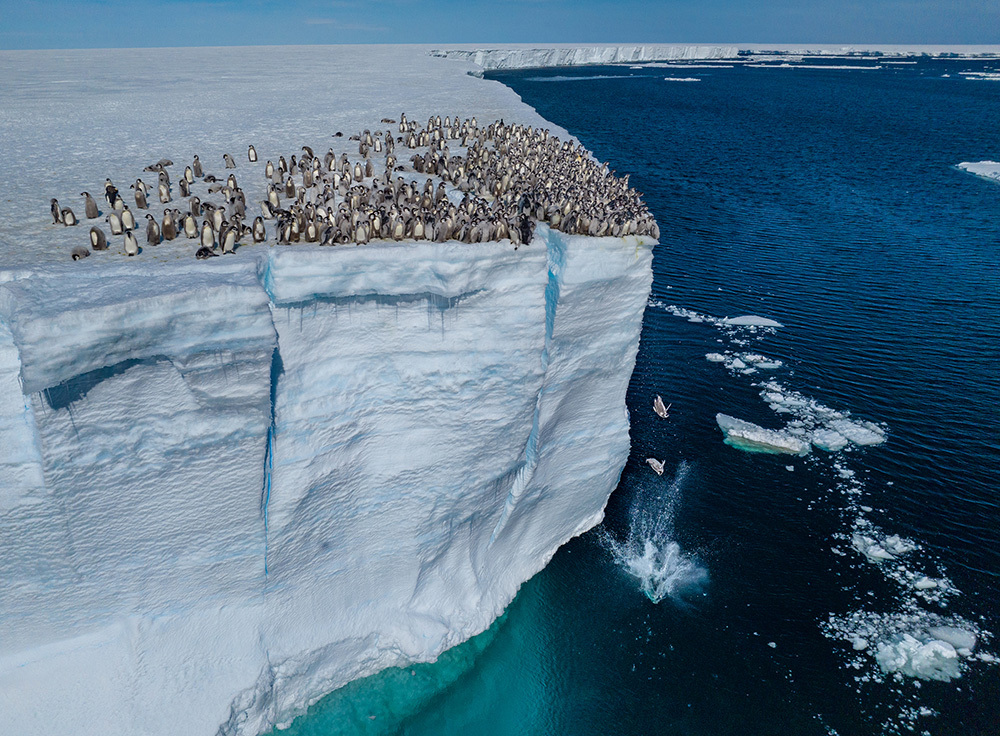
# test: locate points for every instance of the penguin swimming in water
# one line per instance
(230, 164)
(152, 230)
(79, 253)
(90, 206)
(252, 154)
(55, 211)
(98, 241)
(131, 245)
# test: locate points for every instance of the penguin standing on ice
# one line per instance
(152, 230)
(169, 226)
(196, 167)
(128, 219)
(68, 218)
(98, 241)
(164, 191)
(230, 164)
(55, 211)
(140, 197)
(259, 233)
(131, 245)
(115, 223)
(207, 235)
(89, 206)
(110, 192)
(252, 154)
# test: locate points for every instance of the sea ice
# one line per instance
(754, 438)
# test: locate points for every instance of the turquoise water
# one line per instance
(826, 200)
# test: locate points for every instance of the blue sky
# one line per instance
(140, 23)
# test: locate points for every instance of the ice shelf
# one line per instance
(230, 487)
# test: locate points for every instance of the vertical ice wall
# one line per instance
(402, 434)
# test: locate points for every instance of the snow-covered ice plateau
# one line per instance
(230, 487)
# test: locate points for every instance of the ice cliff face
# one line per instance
(226, 491)
(522, 58)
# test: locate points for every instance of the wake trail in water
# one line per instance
(649, 552)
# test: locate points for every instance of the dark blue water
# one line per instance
(826, 200)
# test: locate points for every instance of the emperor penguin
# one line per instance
(272, 197)
(98, 241)
(79, 252)
(196, 167)
(227, 239)
(195, 206)
(164, 192)
(230, 164)
(140, 197)
(259, 233)
(115, 223)
(252, 154)
(68, 218)
(190, 226)
(269, 170)
(128, 219)
(55, 211)
(205, 253)
(131, 245)
(207, 235)
(189, 174)
(290, 187)
(110, 193)
(90, 206)
(152, 230)
(169, 226)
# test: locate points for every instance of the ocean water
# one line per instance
(852, 590)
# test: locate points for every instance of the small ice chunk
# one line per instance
(750, 320)
(736, 364)
(790, 468)
(933, 659)
(859, 644)
(897, 545)
(829, 440)
(925, 583)
(715, 357)
(860, 433)
(753, 438)
(958, 638)
(772, 644)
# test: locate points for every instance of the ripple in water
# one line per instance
(649, 552)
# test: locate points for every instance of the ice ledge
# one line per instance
(443, 417)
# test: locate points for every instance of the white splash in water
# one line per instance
(649, 553)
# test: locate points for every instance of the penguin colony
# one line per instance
(497, 184)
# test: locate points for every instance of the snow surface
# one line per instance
(236, 485)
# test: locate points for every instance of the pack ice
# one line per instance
(229, 488)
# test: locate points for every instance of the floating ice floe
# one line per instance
(750, 320)
(826, 428)
(681, 79)
(751, 437)
(986, 169)
(915, 644)
(745, 363)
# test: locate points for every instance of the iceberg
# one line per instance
(240, 484)
(985, 169)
